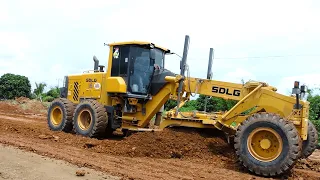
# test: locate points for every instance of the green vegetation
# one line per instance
(38, 91)
(54, 92)
(12, 86)
(213, 104)
(314, 114)
(49, 96)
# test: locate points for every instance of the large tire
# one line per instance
(90, 119)
(309, 145)
(273, 151)
(60, 114)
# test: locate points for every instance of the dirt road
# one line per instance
(171, 154)
(18, 164)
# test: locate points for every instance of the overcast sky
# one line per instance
(45, 40)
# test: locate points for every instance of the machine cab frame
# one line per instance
(136, 63)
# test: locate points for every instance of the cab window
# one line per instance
(120, 58)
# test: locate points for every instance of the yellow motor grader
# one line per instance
(271, 131)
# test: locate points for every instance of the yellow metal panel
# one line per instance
(91, 85)
(104, 98)
(214, 88)
(116, 85)
(74, 85)
(109, 62)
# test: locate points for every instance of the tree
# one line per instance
(38, 91)
(12, 86)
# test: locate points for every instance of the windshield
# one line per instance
(141, 70)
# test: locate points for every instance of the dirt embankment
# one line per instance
(23, 105)
(171, 154)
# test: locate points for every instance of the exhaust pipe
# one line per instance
(96, 63)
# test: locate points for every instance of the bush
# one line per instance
(316, 124)
(189, 106)
(53, 92)
(170, 104)
(12, 86)
(214, 104)
(48, 99)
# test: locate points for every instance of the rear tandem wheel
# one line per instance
(60, 114)
(90, 119)
(267, 144)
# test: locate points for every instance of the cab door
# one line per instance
(140, 71)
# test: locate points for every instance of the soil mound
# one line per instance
(23, 105)
(178, 143)
(183, 143)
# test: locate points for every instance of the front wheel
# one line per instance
(60, 114)
(267, 145)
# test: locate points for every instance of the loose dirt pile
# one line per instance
(309, 165)
(170, 143)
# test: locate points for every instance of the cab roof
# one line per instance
(138, 43)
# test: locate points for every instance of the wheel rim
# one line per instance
(264, 144)
(84, 119)
(56, 116)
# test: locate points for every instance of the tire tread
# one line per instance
(100, 115)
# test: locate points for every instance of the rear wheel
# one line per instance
(90, 119)
(267, 145)
(60, 114)
(309, 145)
